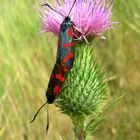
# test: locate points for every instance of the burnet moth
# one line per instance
(64, 60)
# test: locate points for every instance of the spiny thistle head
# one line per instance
(85, 91)
(91, 17)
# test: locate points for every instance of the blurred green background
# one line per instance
(26, 61)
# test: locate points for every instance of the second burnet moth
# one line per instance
(64, 60)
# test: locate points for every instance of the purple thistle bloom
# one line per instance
(91, 17)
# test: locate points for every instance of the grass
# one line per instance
(26, 60)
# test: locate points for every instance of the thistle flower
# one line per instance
(91, 17)
(84, 92)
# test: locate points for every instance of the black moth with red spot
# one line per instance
(64, 60)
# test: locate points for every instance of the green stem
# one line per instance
(81, 135)
(79, 128)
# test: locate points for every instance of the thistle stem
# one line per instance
(79, 128)
(81, 135)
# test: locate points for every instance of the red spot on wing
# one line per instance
(65, 69)
(67, 57)
(70, 32)
(60, 77)
(68, 45)
(52, 76)
(60, 67)
(56, 90)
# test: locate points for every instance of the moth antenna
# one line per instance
(71, 7)
(46, 4)
(37, 113)
(47, 126)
